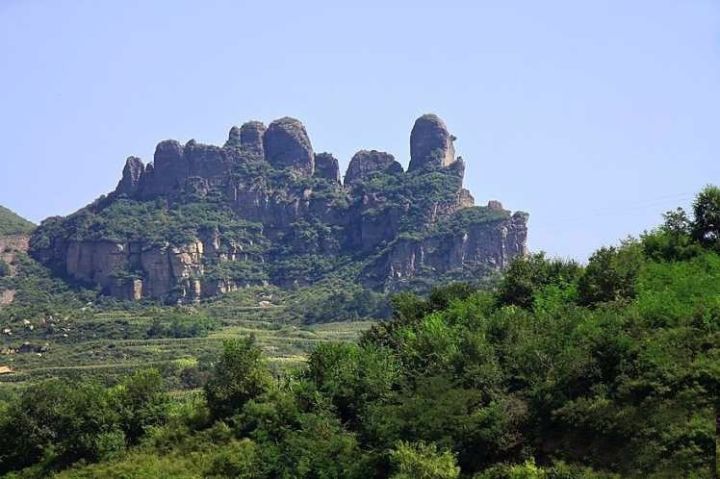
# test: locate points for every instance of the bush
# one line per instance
(239, 376)
(611, 274)
(422, 461)
(181, 324)
(527, 276)
(4, 269)
(706, 209)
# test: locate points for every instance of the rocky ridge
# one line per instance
(266, 208)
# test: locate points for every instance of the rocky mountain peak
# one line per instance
(131, 175)
(327, 166)
(233, 140)
(251, 138)
(287, 145)
(366, 162)
(265, 209)
(431, 144)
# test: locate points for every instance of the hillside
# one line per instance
(266, 209)
(14, 238)
(604, 371)
(13, 224)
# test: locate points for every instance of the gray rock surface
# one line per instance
(131, 175)
(287, 145)
(431, 145)
(327, 166)
(366, 162)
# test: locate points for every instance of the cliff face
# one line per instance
(265, 208)
(478, 250)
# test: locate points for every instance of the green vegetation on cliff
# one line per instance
(11, 223)
(604, 371)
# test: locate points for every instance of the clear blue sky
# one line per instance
(593, 116)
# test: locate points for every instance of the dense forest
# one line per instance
(563, 371)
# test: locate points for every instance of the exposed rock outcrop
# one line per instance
(233, 140)
(327, 166)
(131, 175)
(365, 162)
(11, 245)
(480, 249)
(287, 145)
(168, 172)
(248, 139)
(431, 145)
(202, 220)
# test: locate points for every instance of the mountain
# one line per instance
(13, 224)
(264, 208)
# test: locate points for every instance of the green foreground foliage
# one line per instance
(604, 371)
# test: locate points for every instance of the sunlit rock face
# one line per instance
(287, 145)
(431, 145)
(365, 162)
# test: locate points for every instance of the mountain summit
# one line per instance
(265, 208)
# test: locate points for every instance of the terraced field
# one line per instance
(107, 345)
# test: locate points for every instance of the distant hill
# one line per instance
(11, 223)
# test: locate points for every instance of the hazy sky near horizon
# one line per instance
(593, 116)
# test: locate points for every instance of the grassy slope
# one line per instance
(90, 341)
(12, 223)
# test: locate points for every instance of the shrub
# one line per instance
(239, 376)
(422, 461)
(4, 269)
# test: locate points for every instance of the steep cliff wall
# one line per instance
(264, 208)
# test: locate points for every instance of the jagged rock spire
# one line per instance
(249, 137)
(365, 162)
(430, 143)
(327, 166)
(132, 172)
(287, 145)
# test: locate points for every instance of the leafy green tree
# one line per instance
(352, 376)
(238, 460)
(299, 436)
(673, 240)
(141, 403)
(57, 423)
(528, 470)
(611, 274)
(239, 376)
(706, 210)
(527, 276)
(422, 461)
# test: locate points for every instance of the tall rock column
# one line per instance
(248, 138)
(287, 145)
(431, 145)
(131, 175)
